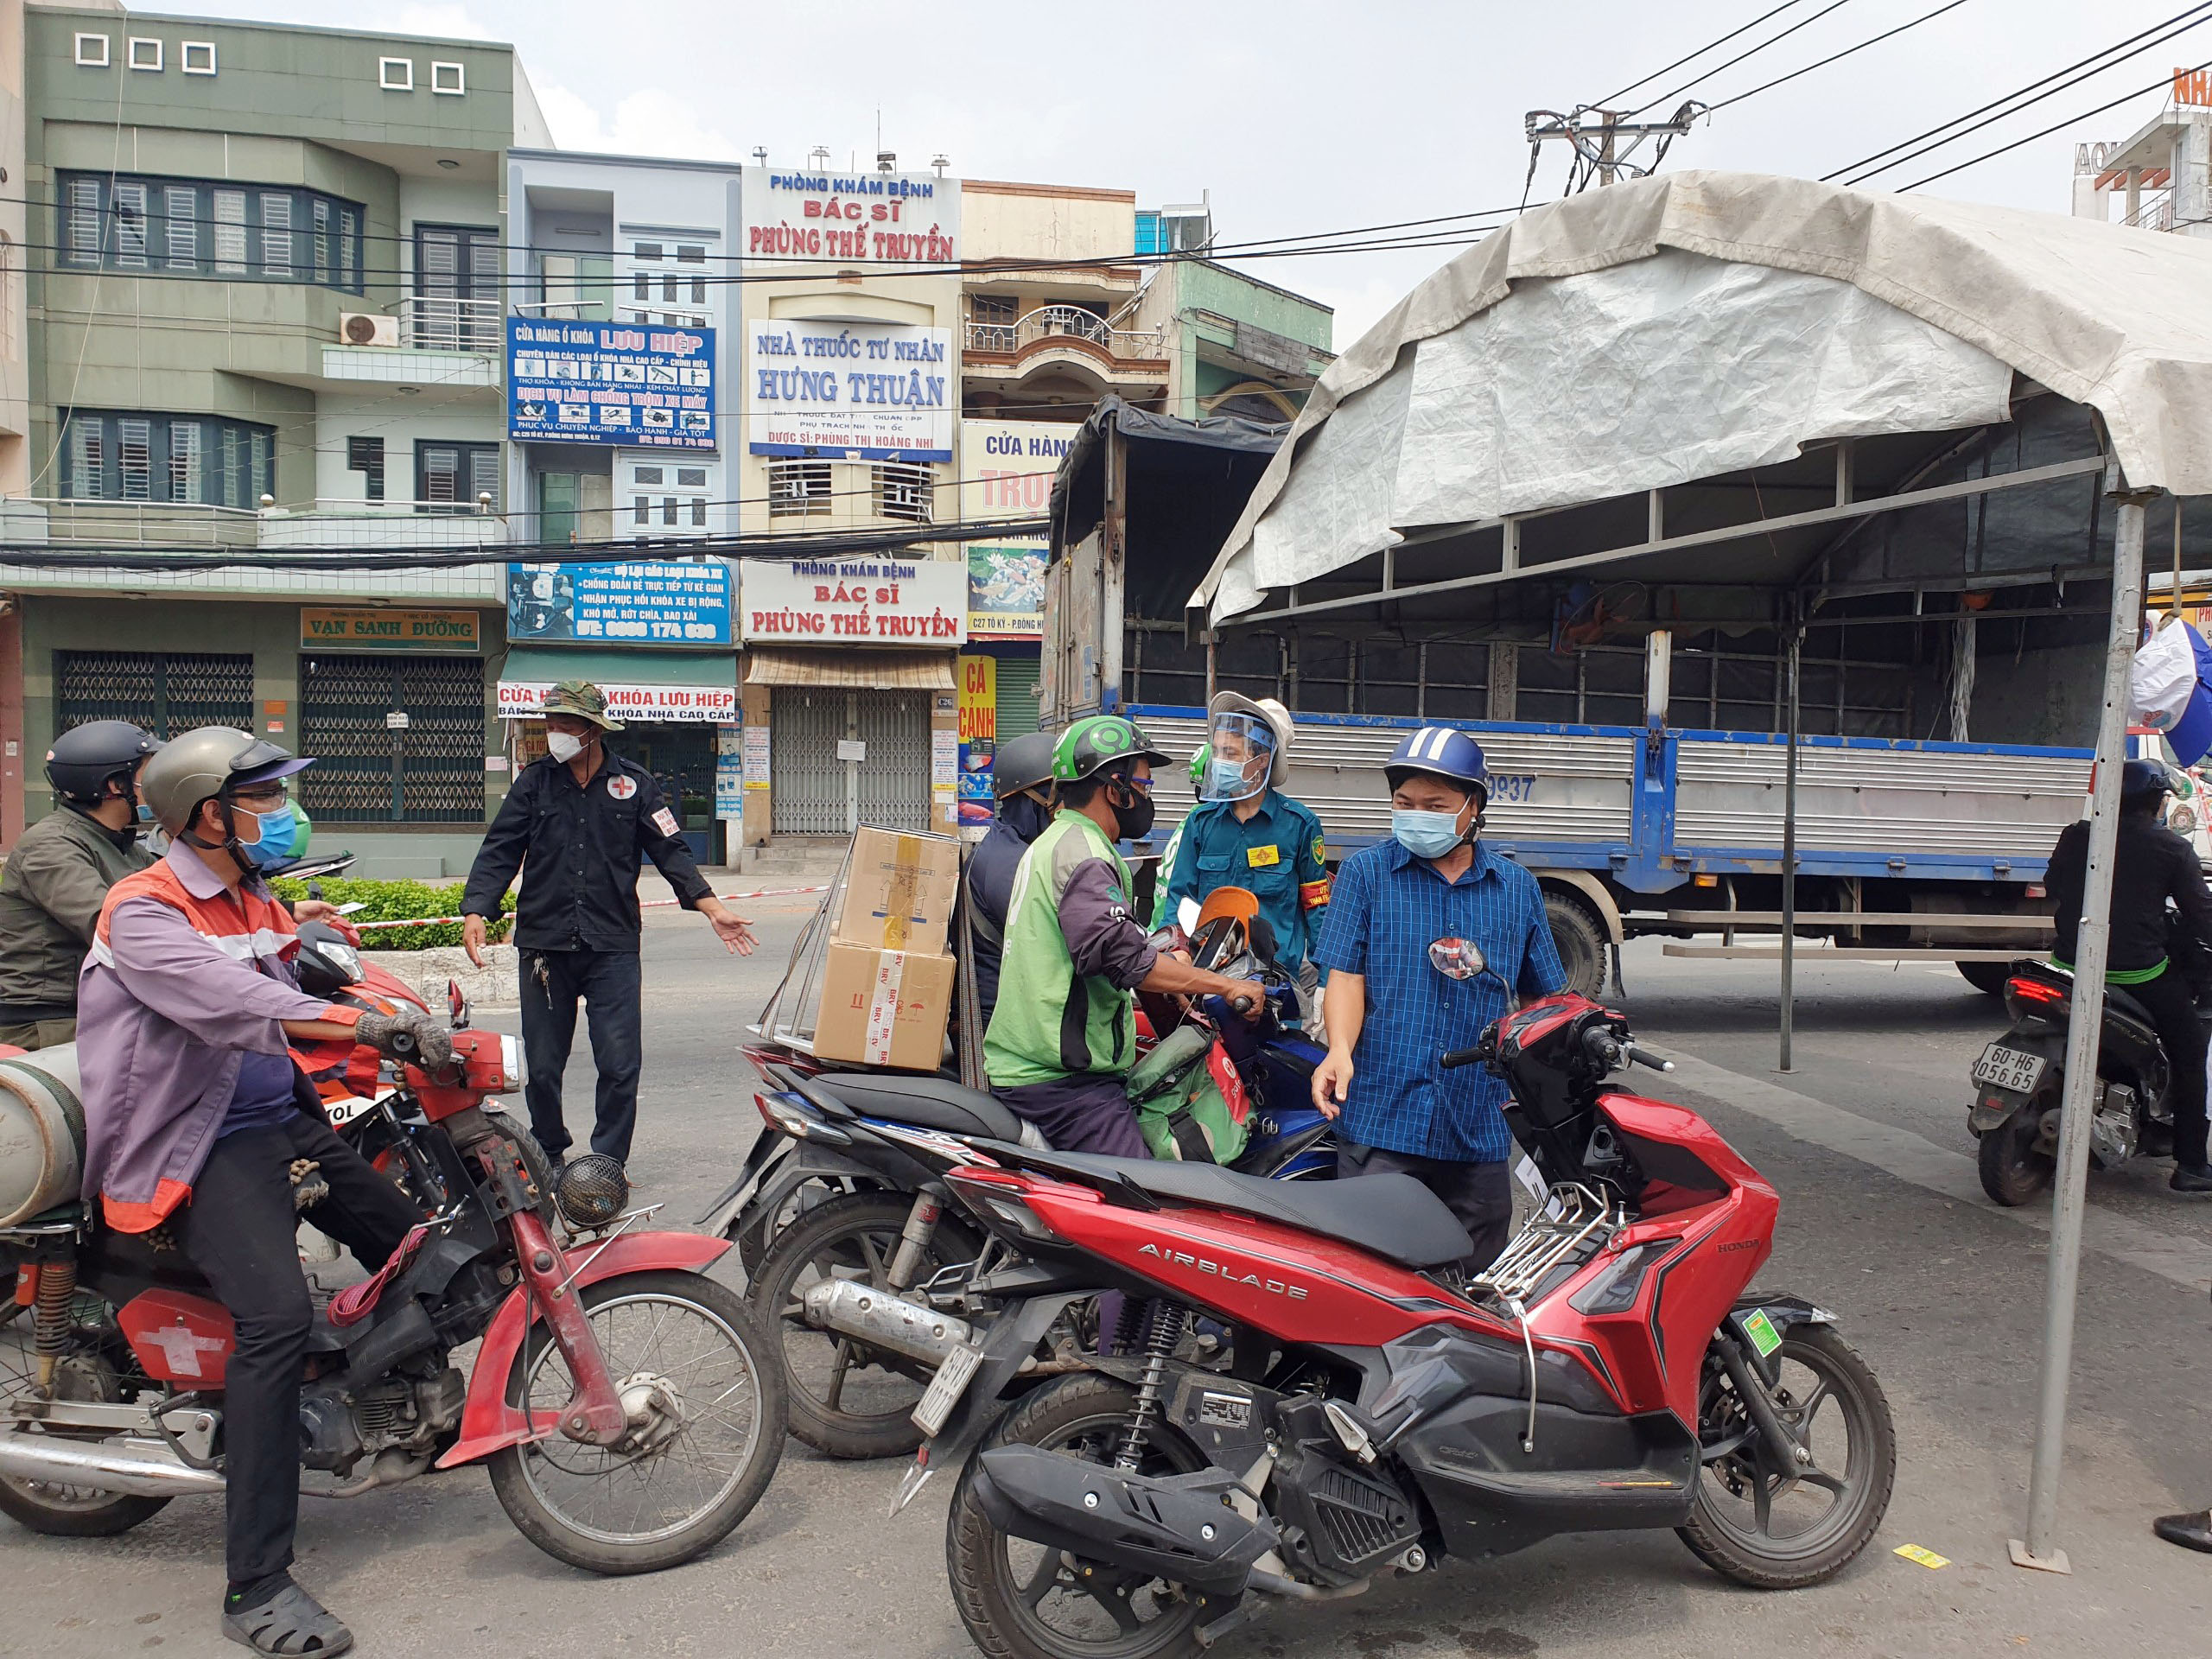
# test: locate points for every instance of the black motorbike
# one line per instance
(2020, 1080)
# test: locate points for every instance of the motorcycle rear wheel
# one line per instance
(854, 1236)
(689, 1337)
(1002, 1604)
(54, 1510)
(1753, 1549)
(2012, 1172)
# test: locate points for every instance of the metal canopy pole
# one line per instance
(1789, 854)
(2085, 1022)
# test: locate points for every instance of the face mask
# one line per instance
(564, 746)
(274, 835)
(1426, 835)
(143, 812)
(1135, 818)
(1225, 781)
(1024, 816)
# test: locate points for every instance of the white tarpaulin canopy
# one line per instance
(1666, 330)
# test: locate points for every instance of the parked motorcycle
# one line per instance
(2020, 1080)
(630, 1413)
(1375, 1404)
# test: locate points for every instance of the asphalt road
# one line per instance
(1882, 1221)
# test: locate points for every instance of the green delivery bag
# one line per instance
(1181, 1110)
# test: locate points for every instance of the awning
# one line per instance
(640, 685)
(888, 671)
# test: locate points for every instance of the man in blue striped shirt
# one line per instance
(1433, 880)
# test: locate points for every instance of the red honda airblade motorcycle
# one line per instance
(630, 1414)
(1372, 1405)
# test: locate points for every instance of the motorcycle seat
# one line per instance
(1393, 1215)
(927, 1102)
(2116, 996)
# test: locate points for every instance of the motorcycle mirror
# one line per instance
(456, 1005)
(1186, 915)
(1457, 958)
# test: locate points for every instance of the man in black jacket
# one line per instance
(574, 823)
(1021, 778)
(2151, 865)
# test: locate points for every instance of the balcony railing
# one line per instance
(1050, 322)
(160, 523)
(427, 323)
(315, 524)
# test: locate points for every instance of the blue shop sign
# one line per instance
(635, 385)
(640, 602)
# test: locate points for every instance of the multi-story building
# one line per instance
(625, 265)
(264, 306)
(2160, 177)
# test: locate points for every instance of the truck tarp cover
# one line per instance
(1660, 332)
(1188, 480)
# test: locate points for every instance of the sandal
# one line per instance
(292, 1621)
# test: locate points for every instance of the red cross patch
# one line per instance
(621, 788)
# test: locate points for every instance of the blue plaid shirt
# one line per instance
(1388, 909)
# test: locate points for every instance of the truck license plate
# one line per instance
(946, 1388)
(2009, 1068)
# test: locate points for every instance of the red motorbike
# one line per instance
(1352, 1402)
(630, 1413)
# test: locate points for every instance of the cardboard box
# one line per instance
(884, 1008)
(898, 892)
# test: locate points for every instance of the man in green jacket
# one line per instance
(58, 873)
(1064, 1033)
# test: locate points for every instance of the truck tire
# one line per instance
(1580, 939)
(1987, 977)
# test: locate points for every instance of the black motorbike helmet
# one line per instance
(1024, 762)
(2138, 779)
(84, 758)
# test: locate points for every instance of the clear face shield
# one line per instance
(1243, 757)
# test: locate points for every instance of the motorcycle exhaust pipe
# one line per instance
(144, 1468)
(1179, 1527)
(883, 1320)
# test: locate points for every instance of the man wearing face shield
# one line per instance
(1063, 1035)
(1021, 778)
(1395, 1000)
(1245, 832)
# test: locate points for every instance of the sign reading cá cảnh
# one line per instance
(855, 602)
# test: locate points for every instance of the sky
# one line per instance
(1297, 117)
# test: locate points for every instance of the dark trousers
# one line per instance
(2173, 1011)
(1481, 1195)
(610, 984)
(238, 1230)
(1080, 1114)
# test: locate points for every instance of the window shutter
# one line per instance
(130, 205)
(135, 446)
(84, 221)
(230, 232)
(182, 246)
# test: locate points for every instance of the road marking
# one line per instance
(1916, 1158)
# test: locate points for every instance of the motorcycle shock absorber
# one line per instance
(1163, 1329)
(51, 1322)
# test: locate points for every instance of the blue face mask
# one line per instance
(1225, 781)
(275, 833)
(1425, 835)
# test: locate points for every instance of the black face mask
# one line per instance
(1025, 816)
(1135, 818)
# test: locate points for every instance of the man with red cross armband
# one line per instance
(1245, 832)
(198, 1124)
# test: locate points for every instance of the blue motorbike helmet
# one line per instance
(1442, 752)
(2138, 779)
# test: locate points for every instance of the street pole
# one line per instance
(2091, 953)
(1790, 855)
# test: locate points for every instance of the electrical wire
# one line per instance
(1952, 5)
(1990, 155)
(1701, 52)
(1708, 75)
(2180, 24)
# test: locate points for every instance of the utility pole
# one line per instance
(1603, 142)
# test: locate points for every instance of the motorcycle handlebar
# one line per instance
(1460, 1056)
(1645, 1057)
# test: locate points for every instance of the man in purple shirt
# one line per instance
(195, 1119)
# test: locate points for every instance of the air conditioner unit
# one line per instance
(366, 328)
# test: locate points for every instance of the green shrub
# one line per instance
(384, 901)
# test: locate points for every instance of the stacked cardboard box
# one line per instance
(886, 984)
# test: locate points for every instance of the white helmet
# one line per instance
(1269, 709)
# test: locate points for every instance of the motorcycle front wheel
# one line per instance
(706, 1400)
(1775, 1528)
(1022, 1600)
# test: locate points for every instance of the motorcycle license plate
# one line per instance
(2010, 1068)
(946, 1388)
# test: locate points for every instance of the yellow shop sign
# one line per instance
(381, 630)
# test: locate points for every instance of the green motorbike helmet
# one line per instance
(1201, 758)
(1093, 744)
